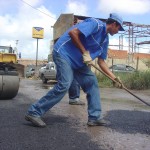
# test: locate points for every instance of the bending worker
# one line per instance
(72, 53)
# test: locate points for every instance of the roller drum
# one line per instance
(9, 85)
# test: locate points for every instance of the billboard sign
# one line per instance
(38, 32)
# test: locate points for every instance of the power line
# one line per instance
(37, 9)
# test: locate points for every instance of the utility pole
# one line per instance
(16, 48)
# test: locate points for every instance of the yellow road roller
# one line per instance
(9, 78)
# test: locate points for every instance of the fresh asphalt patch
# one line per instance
(18, 134)
(132, 122)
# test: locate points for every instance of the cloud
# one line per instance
(124, 6)
(18, 26)
(76, 7)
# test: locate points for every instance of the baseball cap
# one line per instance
(117, 18)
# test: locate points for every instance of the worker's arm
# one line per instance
(105, 68)
(75, 37)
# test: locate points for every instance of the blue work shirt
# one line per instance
(94, 38)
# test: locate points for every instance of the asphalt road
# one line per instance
(66, 125)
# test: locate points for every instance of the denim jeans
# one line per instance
(74, 90)
(65, 75)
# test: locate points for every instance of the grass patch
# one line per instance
(138, 80)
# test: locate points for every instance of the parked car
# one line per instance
(30, 72)
(41, 70)
(48, 72)
(122, 68)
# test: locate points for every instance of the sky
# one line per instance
(18, 17)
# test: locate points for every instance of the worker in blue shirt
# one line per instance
(72, 54)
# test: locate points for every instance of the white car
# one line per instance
(41, 70)
(48, 72)
(30, 73)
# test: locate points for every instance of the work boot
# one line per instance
(100, 122)
(76, 101)
(37, 121)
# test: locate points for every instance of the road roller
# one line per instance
(9, 76)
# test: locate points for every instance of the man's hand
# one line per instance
(118, 83)
(87, 58)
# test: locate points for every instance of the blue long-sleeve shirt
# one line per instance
(94, 38)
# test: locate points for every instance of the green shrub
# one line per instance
(137, 80)
(103, 81)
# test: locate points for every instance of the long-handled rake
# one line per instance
(123, 85)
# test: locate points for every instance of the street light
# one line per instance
(16, 48)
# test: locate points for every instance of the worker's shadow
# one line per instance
(132, 122)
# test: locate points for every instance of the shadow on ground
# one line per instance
(132, 122)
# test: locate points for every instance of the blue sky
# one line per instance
(17, 19)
